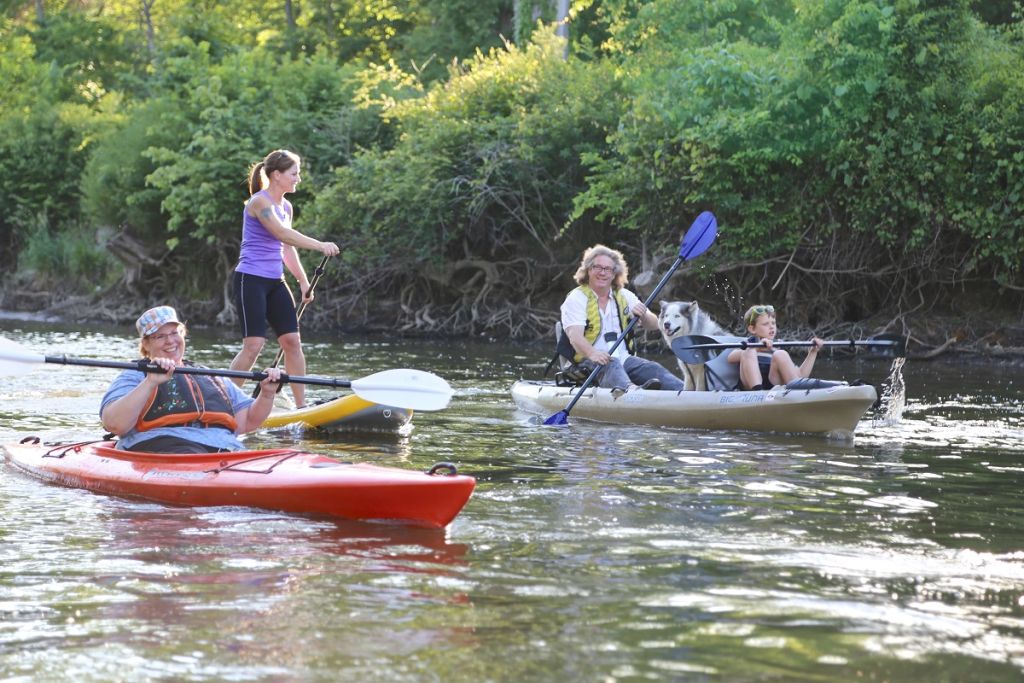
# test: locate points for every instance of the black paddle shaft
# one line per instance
(145, 366)
(701, 349)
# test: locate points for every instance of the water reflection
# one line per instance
(213, 578)
(592, 552)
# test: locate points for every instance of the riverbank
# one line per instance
(1003, 345)
(992, 330)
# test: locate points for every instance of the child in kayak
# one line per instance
(762, 367)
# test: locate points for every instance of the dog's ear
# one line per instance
(662, 305)
(693, 304)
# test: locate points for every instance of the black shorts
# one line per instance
(261, 300)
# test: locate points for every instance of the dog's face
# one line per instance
(677, 318)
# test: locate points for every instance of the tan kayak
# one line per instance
(833, 410)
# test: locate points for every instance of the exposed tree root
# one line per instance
(940, 349)
(517, 296)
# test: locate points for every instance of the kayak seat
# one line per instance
(568, 373)
(572, 376)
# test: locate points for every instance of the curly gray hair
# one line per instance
(621, 269)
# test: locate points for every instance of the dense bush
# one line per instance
(851, 141)
(40, 141)
(484, 167)
(114, 189)
(235, 112)
(65, 260)
(861, 155)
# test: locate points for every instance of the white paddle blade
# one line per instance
(412, 389)
(16, 360)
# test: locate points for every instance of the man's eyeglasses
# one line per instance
(603, 269)
(161, 338)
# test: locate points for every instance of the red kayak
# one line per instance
(282, 479)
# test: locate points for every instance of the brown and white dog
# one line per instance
(682, 318)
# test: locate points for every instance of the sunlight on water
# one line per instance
(588, 552)
(923, 576)
(958, 425)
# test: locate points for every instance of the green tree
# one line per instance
(463, 211)
(234, 113)
(93, 54)
(842, 139)
(39, 136)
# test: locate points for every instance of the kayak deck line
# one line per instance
(61, 450)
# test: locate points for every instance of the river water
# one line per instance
(587, 553)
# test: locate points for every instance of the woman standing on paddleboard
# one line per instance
(268, 244)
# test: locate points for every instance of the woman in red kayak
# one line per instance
(165, 412)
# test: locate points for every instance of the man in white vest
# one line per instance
(594, 316)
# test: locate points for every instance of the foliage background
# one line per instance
(863, 156)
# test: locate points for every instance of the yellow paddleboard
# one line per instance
(345, 413)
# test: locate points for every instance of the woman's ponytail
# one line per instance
(256, 178)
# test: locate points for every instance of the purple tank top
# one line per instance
(261, 252)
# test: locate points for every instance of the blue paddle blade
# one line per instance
(699, 237)
(559, 418)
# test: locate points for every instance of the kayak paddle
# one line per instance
(699, 349)
(696, 241)
(402, 388)
(317, 274)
